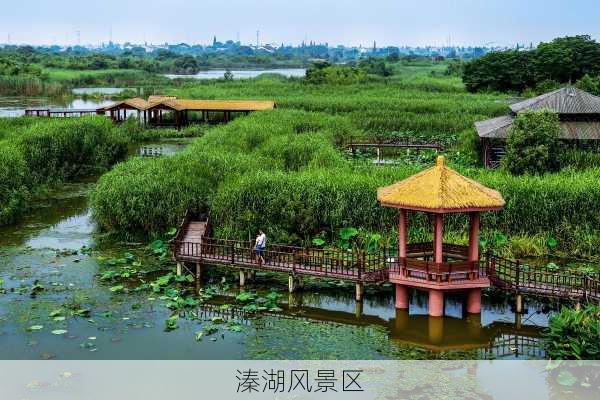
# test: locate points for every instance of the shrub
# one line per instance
(37, 152)
(14, 184)
(532, 143)
(147, 196)
(574, 334)
(56, 150)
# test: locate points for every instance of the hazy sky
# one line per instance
(350, 22)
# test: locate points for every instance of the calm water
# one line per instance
(98, 90)
(15, 106)
(323, 322)
(243, 74)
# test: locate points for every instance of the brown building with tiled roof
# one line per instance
(578, 111)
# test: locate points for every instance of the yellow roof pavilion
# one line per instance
(440, 189)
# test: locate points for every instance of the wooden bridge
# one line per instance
(192, 245)
(397, 144)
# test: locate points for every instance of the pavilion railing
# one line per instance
(429, 271)
(425, 249)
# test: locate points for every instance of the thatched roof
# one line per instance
(155, 98)
(135, 103)
(213, 105)
(568, 100)
(440, 189)
(497, 128)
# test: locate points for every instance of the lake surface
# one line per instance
(15, 106)
(98, 90)
(51, 283)
(243, 74)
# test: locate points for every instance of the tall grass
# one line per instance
(45, 151)
(29, 86)
(396, 105)
(280, 171)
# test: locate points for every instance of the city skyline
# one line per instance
(350, 23)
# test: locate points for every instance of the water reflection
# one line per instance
(136, 328)
(15, 106)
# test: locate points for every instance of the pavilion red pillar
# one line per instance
(402, 234)
(474, 295)
(436, 303)
(402, 301)
(474, 236)
(438, 238)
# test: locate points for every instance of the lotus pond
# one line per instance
(69, 293)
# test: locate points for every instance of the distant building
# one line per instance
(578, 111)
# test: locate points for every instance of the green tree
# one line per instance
(562, 60)
(589, 84)
(228, 76)
(532, 143)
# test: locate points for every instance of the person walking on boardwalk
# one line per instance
(261, 241)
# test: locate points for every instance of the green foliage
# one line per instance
(563, 60)
(335, 75)
(374, 66)
(574, 334)
(532, 143)
(36, 152)
(590, 84)
(579, 159)
(65, 149)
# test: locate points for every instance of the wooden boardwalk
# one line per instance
(193, 245)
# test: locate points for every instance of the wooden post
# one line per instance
(474, 236)
(438, 238)
(198, 270)
(358, 309)
(360, 291)
(242, 278)
(519, 304)
(402, 234)
(474, 301)
(179, 269)
(402, 301)
(291, 283)
(436, 303)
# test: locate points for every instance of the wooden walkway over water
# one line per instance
(192, 244)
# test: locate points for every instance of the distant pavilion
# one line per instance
(171, 111)
(578, 111)
(438, 267)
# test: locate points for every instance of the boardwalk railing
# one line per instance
(362, 266)
(344, 264)
(542, 280)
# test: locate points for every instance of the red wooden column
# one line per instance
(402, 234)
(474, 236)
(402, 301)
(474, 295)
(438, 238)
(436, 303)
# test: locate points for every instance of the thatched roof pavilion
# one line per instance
(156, 107)
(439, 190)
